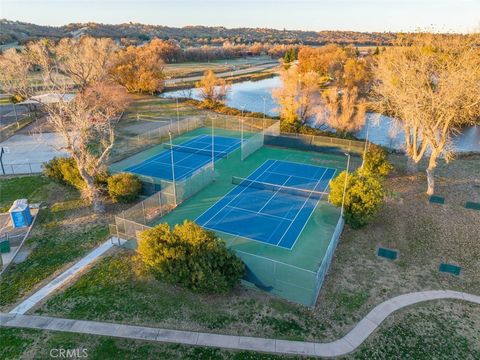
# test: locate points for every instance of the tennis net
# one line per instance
(314, 194)
(204, 152)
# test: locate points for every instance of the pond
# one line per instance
(257, 96)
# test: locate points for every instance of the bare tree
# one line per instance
(213, 90)
(15, 74)
(431, 84)
(85, 60)
(86, 122)
(86, 125)
(342, 109)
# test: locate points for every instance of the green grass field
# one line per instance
(413, 334)
(64, 231)
(33, 188)
(118, 290)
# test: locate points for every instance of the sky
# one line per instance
(316, 15)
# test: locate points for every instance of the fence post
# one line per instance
(160, 202)
(143, 212)
(275, 272)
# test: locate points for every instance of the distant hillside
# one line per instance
(14, 31)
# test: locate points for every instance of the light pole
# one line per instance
(178, 124)
(213, 147)
(241, 132)
(345, 185)
(366, 145)
(173, 170)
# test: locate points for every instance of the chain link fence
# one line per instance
(316, 143)
(21, 168)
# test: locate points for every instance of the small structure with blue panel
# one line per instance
(20, 213)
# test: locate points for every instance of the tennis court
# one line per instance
(272, 205)
(188, 157)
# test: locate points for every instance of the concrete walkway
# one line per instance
(339, 347)
(63, 278)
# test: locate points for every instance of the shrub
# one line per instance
(190, 256)
(376, 162)
(124, 187)
(53, 170)
(363, 199)
(65, 171)
(70, 173)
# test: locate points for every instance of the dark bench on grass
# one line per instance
(450, 268)
(389, 254)
(472, 205)
(434, 199)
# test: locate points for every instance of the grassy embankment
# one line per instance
(65, 230)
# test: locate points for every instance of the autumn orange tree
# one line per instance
(140, 69)
(431, 84)
(357, 73)
(327, 61)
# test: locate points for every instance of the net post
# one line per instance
(160, 202)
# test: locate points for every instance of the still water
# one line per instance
(257, 96)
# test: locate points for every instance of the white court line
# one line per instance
(233, 189)
(316, 205)
(274, 161)
(207, 144)
(297, 176)
(258, 213)
(193, 141)
(227, 147)
(273, 195)
(299, 211)
(153, 158)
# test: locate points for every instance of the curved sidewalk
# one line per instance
(343, 346)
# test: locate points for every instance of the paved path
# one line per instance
(63, 278)
(339, 347)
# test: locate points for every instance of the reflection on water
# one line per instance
(250, 95)
(257, 95)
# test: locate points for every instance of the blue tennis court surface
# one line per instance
(188, 157)
(270, 214)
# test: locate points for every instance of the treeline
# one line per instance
(172, 52)
(189, 36)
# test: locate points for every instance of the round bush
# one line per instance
(190, 256)
(124, 187)
(363, 198)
